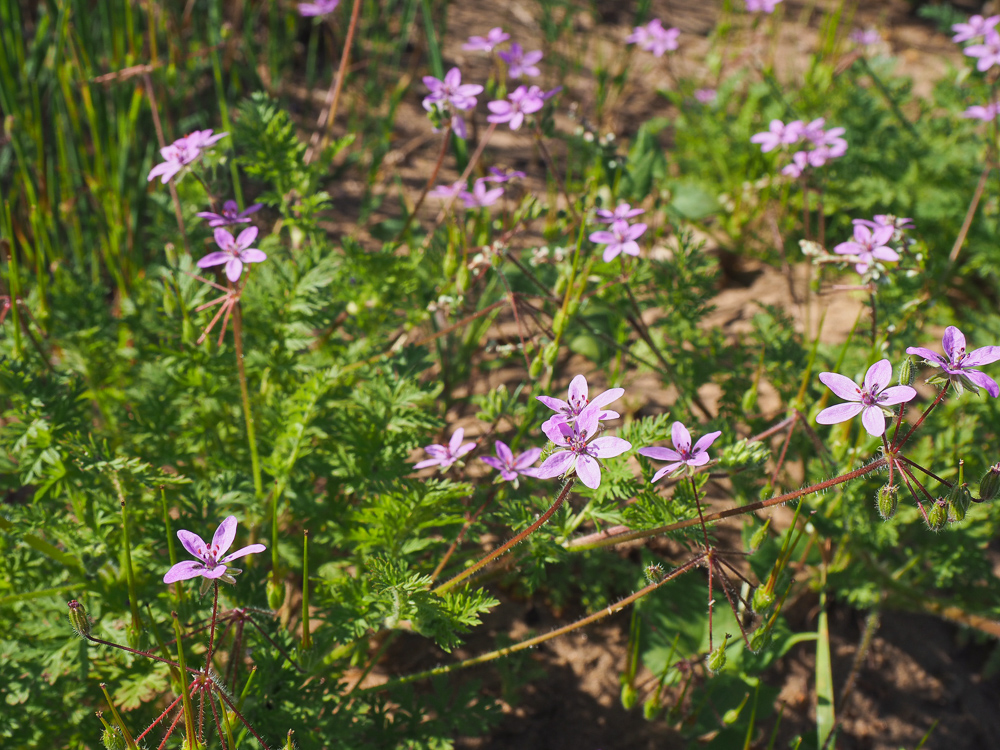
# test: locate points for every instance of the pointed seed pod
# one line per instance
(275, 594)
(990, 483)
(630, 696)
(760, 638)
(887, 500)
(959, 500)
(763, 598)
(78, 618)
(650, 708)
(906, 372)
(937, 515)
(759, 535)
(717, 659)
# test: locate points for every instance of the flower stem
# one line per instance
(326, 123)
(531, 642)
(211, 632)
(445, 140)
(185, 694)
(245, 396)
(133, 602)
(162, 141)
(928, 410)
(506, 547)
(306, 635)
(619, 534)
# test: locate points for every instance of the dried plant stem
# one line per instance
(970, 213)
(619, 534)
(327, 116)
(531, 642)
(445, 140)
(245, 397)
(502, 549)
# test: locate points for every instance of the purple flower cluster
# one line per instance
(182, 152)
(976, 28)
(987, 53)
(817, 146)
(872, 238)
(481, 197)
(511, 467)
(654, 38)
(445, 455)
(495, 37)
(231, 214)
(959, 365)
(979, 112)
(318, 8)
(519, 102)
(519, 62)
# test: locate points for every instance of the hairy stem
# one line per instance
(506, 547)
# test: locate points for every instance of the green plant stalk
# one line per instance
(824, 677)
(258, 486)
(531, 642)
(502, 549)
(619, 534)
(133, 602)
(220, 93)
(161, 643)
(171, 550)
(188, 712)
(306, 634)
(129, 741)
(14, 280)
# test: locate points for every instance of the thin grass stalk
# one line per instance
(245, 398)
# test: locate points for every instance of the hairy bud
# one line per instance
(654, 573)
(113, 739)
(990, 483)
(763, 599)
(650, 708)
(937, 514)
(760, 638)
(717, 659)
(959, 500)
(78, 618)
(906, 372)
(630, 696)
(289, 742)
(887, 500)
(759, 535)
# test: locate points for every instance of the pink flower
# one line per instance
(318, 8)
(510, 467)
(451, 91)
(762, 6)
(621, 239)
(445, 455)
(622, 212)
(182, 152)
(960, 365)
(869, 245)
(501, 175)
(654, 38)
(494, 37)
(209, 565)
(231, 214)
(979, 112)
(706, 96)
(976, 27)
(777, 134)
(519, 102)
(521, 63)
(480, 197)
(868, 400)
(581, 448)
(682, 454)
(988, 52)
(234, 253)
(449, 192)
(578, 400)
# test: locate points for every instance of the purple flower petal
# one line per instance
(873, 421)
(250, 549)
(705, 441)
(526, 459)
(846, 388)
(496, 463)
(556, 465)
(953, 342)
(183, 571)
(898, 394)
(456, 439)
(609, 447)
(212, 573)
(680, 437)
(983, 381)
(839, 413)
(927, 354)
(878, 376)
(698, 459)
(668, 469)
(660, 454)
(193, 543)
(589, 471)
(246, 237)
(253, 255)
(234, 269)
(224, 536)
(224, 239)
(984, 355)
(214, 259)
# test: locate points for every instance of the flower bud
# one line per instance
(906, 372)
(113, 739)
(78, 618)
(990, 483)
(887, 500)
(749, 401)
(536, 367)
(717, 659)
(959, 500)
(759, 535)
(763, 598)
(650, 708)
(289, 742)
(760, 638)
(937, 515)
(275, 594)
(630, 697)
(550, 353)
